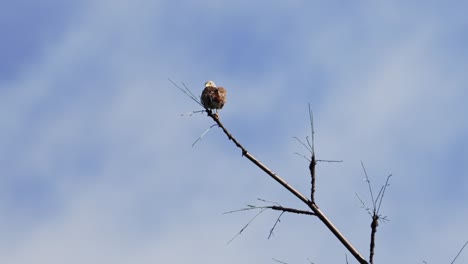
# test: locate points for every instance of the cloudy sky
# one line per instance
(97, 165)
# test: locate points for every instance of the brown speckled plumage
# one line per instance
(213, 97)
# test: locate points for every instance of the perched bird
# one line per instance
(213, 97)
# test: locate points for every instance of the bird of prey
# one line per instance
(213, 97)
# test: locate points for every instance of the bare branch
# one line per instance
(374, 224)
(250, 207)
(302, 143)
(190, 92)
(276, 222)
(292, 210)
(279, 261)
(272, 207)
(187, 91)
(201, 136)
(313, 161)
(363, 204)
(368, 183)
(329, 161)
(243, 228)
(383, 192)
(312, 165)
(192, 113)
(277, 178)
(311, 120)
(302, 156)
(459, 252)
(375, 210)
(296, 193)
(266, 201)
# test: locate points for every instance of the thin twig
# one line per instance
(201, 136)
(243, 228)
(292, 210)
(187, 91)
(279, 261)
(311, 120)
(313, 161)
(192, 113)
(383, 192)
(459, 252)
(266, 201)
(272, 207)
(276, 222)
(302, 143)
(375, 210)
(368, 183)
(329, 160)
(250, 207)
(364, 205)
(302, 156)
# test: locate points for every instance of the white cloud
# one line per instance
(97, 122)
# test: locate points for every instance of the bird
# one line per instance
(213, 97)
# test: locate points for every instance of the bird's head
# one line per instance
(210, 84)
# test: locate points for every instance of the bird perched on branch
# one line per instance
(213, 97)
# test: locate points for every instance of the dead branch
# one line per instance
(272, 207)
(374, 210)
(315, 209)
(374, 224)
(313, 162)
(276, 207)
(320, 160)
(459, 252)
(187, 91)
(276, 222)
(243, 228)
(296, 193)
(279, 261)
(203, 134)
(312, 165)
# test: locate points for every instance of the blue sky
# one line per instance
(97, 164)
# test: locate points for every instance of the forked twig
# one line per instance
(243, 228)
(374, 211)
(305, 146)
(276, 207)
(187, 91)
